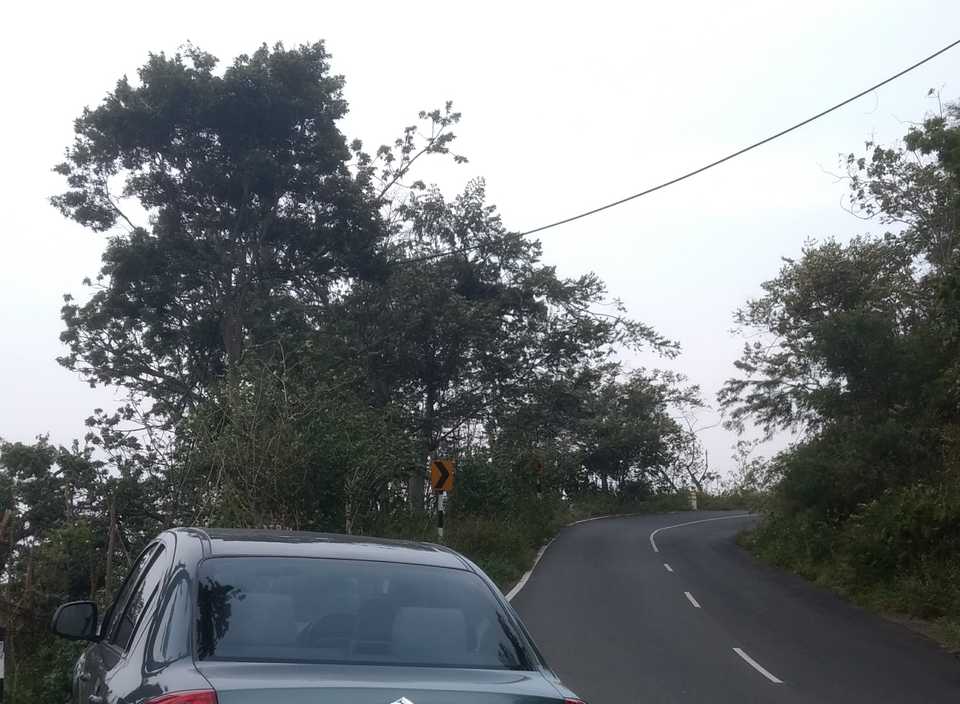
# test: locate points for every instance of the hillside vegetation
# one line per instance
(856, 345)
(299, 325)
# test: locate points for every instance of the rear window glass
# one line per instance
(343, 611)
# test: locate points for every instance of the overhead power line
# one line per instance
(706, 167)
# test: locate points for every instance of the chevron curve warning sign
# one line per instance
(441, 474)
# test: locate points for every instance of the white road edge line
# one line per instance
(669, 568)
(757, 666)
(526, 575)
(653, 543)
(606, 515)
(692, 600)
(587, 520)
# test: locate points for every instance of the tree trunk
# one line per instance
(348, 508)
(123, 544)
(109, 568)
(12, 544)
(666, 477)
(416, 484)
(93, 576)
(11, 613)
(348, 518)
(4, 522)
(234, 285)
(232, 338)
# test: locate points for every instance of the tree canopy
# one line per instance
(249, 216)
(299, 325)
(856, 344)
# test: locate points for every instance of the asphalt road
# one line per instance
(622, 623)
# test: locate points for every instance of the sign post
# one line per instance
(441, 505)
(441, 478)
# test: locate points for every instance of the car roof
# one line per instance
(244, 541)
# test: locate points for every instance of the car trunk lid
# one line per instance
(294, 683)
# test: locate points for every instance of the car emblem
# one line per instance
(402, 700)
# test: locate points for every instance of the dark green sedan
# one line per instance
(250, 617)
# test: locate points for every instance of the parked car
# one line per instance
(244, 616)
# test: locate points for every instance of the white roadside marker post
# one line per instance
(441, 506)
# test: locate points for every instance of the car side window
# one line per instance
(116, 609)
(140, 598)
(172, 639)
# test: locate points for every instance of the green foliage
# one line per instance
(45, 676)
(504, 548)
(897, 553)
(54, 548)
(252, 216)
(910, 531)
(486, 339)
(845, 336)
(279, 445)
(858, 346)
(299, 326)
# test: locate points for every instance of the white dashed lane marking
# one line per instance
(757, 666)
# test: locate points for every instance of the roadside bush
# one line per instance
(483, 485)
(733, 500)
(907, 543)
(801, 541)
(897, 553)
(44, 676)
(502, 548)
(895, 532)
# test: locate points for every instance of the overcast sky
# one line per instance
(566, 106)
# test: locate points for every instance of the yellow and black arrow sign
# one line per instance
(441, 475)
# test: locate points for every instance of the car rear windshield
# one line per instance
(290, 609)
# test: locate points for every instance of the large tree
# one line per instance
(469, 322)
(231, 212)
(857, 343)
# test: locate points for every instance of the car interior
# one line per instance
(321, 612)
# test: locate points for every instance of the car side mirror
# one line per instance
(76, 621)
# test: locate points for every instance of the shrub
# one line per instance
(899, 552)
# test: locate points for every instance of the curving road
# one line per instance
(685, 615)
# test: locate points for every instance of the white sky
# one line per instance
(566, 106)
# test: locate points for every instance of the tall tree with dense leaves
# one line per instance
(231, 212)
(469, 318)
(865, 330)
(857, 344)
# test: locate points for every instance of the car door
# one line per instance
(90, 666)
(115, 674)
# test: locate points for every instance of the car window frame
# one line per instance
(109, 625)
(177, 581)
(532, 652)
(160, 552)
